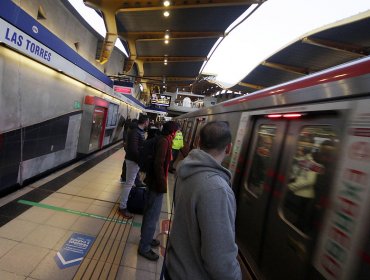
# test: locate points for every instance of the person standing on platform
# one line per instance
(138, 182)
(177, 145)
(156, 180)
(202, 239)
(135, 139)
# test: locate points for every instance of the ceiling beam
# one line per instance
(143, 6)
(337, 46)
(170, 79)
(287, 68)
(250, 85)
(172, 58)
(173, 35)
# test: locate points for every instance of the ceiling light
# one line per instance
(166, 3)
(166, 13)
(166, 41)
(165, 63)
(165, 60)
(167, 36)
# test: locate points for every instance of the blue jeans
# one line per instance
(151, 217)
(132, 168)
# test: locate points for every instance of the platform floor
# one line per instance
(82, 198)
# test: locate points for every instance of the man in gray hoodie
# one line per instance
(202, 240)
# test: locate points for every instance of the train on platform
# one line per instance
(301, 174)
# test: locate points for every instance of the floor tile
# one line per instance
(129, 273)
(89, 226)
(132, 259)
(99, 210)
(76, 205)
(62, 220)
(5, 246)
(48, 269)
(22, 259)
(36, 215)
(17, 229)
(45, 236)
(4, 275)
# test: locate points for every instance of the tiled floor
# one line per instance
(37, 220)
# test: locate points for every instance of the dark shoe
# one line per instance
(126, 214)
(155, 243)
(150, 255)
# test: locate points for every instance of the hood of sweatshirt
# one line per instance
(200, 161)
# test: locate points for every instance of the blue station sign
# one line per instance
(74, 250)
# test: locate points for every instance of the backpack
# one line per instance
(147, 154)
(137, 199)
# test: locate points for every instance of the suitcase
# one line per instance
(137, 199)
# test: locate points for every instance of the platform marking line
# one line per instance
(76, 212)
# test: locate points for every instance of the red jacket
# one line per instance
(157, 180)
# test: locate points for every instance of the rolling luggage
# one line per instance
(137, 199)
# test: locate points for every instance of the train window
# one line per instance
(309, 176)
(261, 159)
(188, 131)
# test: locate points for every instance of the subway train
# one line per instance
(301, 174)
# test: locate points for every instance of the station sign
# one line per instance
(25, 44)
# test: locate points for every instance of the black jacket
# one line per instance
(135, 139)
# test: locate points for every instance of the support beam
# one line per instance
(108, 10)
(143, 6)
(250, 85)
(154, 59)
(337, 46)
(159, 35)
(287, 68)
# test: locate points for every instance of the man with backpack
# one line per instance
(156, 180)
(135, 140)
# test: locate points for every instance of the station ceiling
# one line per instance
(194, 26)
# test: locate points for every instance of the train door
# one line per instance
(97, 129)
(254, 194)
(199, 123)
(291, 163)
(299, 196)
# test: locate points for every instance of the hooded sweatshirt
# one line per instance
(202, 240)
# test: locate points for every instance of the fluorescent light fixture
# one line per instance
(95, 21)
(273, 26)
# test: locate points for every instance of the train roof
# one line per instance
(316, 87)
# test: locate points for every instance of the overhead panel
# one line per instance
(176, 47)
(191, 19)
(173, 69)
(267, 76)
(311, 57)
